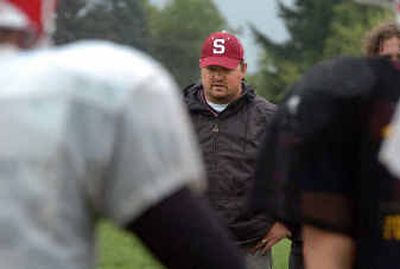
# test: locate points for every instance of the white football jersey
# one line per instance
(87, 130)
(390, 150)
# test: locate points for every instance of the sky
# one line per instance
(262, 13)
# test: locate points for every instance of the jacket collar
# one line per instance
(194, 98)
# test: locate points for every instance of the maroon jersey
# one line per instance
(320, 162)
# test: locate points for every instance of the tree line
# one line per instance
(174, 34)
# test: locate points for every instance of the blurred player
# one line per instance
(94, 130)
(322, 155)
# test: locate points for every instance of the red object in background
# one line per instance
(33, 10)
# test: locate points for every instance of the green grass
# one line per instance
(119, 250)
(280, 255)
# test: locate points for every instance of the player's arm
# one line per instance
(311, 162)
(324, 166)
(324, 162)
(182, 232)
(328, 250)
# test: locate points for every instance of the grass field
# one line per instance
(119, 250)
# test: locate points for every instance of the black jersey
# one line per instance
(320, 162)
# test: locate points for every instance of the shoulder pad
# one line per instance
(344, 76)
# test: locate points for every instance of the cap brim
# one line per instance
(225, 62)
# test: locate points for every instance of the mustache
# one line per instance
(218, 83)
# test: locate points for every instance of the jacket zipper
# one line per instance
(215, 131)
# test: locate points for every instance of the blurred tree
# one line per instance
(177, 33)
(274, 76)
(317, 30)
(351, 23)
(122, 21)
(307, 22)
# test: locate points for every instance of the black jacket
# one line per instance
(230, 142)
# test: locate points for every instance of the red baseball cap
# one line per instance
(26, 14)
(221, 49)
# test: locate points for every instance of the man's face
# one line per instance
(221, 85)
(391, 47)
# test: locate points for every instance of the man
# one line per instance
(88, 131)
(229, 120)
(325, 142)
(383, 40)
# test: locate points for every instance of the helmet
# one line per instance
(35, 17)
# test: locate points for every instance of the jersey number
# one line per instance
(219, 46)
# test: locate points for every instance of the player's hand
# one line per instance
(277, 232)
